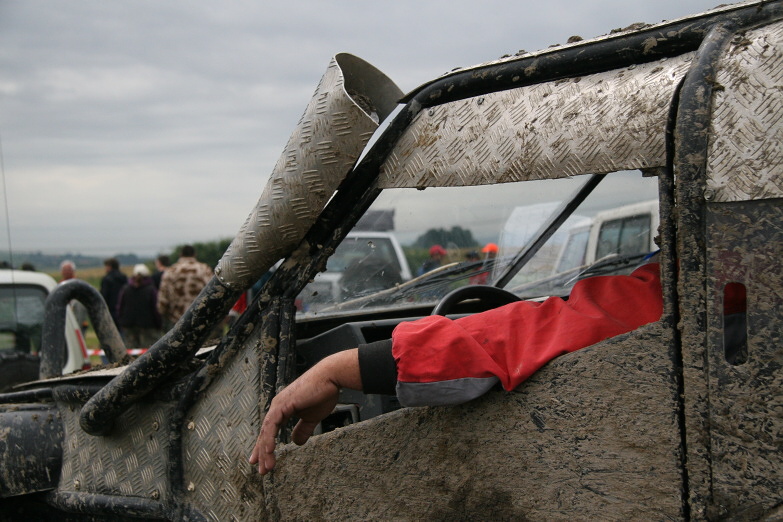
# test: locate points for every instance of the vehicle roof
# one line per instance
(26, 277)
(633, 208)
(369, 233)
(637, 27)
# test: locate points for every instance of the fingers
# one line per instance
(264, 450)
(311, 397)
(302, 431)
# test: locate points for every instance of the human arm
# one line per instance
(445, 362)
(311, 397)
(438, 361)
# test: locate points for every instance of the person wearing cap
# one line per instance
(137, 310)
(481, 277)
(490, 250)
(437, 253)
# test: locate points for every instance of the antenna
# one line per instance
(5, 204)
(14, 308)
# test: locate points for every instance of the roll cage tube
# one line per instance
(162, 359)
(692, 119)
(53, 344)
(580, 59)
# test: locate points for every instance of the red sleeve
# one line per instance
(468, 355)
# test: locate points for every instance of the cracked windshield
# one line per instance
(414, 246)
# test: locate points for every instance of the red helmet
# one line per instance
(437, 250)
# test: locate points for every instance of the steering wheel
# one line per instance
(492, 296)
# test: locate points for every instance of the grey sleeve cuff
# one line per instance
(377, 367)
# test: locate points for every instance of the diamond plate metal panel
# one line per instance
(131, 461)
(599, 123)
(327, 141)
(220, 431)
(745, 155)
(745, 403)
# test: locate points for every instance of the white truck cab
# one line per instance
(365, 262)
(22, 298)
(625, 230)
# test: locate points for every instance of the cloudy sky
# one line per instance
(137, 126)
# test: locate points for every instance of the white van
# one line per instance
(22, 297)
(623, 231)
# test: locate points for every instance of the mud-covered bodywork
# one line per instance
(658, 423)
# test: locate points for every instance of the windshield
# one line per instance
(356, 251)
(21, 317)
(455, 236)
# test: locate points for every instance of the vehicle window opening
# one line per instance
(534, 238)
(625, 236)
(575, 250)
(342, 416)
(735, 324)
(21, 318)
(563, 212)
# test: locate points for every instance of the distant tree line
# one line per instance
(208, 252)
(456, 237)
(51, 262)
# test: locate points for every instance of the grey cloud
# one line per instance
(146, 122)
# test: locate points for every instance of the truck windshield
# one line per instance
(356, 251)
(454, 236)
(21, 317)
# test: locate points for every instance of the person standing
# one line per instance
(162, 262)
(180, 285)
(437, 253)
(111, 285)
(137, 310)
(68, 271)
(481, 277)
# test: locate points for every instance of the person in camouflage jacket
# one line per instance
(180, 285)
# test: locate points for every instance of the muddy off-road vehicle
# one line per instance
(680, 419)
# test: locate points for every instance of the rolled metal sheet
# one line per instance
(349, 103)
(548, 130)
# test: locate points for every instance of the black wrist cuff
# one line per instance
(377, 367)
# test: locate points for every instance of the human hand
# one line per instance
(311, 397)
